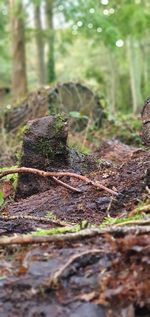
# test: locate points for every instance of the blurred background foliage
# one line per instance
(104, 44)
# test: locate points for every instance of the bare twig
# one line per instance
(74, 236)
(41, 219)
(66, 185)
(148, 190)
(109, 206)
(56, 174)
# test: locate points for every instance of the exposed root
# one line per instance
(57, 174)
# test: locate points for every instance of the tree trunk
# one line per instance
(51, 76)
(19, 78)
(39, 44)
(135, 74)
(112, 83)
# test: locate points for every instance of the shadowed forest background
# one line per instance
(103, 45)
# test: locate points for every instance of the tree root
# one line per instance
(57, 174)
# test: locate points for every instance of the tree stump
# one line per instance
(44, 147)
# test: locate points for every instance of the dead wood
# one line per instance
(57, 174)
(62, 238)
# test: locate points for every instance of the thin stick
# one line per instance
(66, 185)
(56, 174)
(41, 219)
(70, 237)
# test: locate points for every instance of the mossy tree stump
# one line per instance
(44, 147)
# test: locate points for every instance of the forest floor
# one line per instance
(88, 270)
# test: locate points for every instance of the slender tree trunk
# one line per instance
(39, 44)
(144, 49)
(51, 76)
(112, 86)
(19, 78)
(135, 74)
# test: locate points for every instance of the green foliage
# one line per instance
(124, 127)
(110, 221)
(77, 115)
(11, 177)
(1, 198)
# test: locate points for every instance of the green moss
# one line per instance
(61, 148)
(23, 129)
(43, 146)
(57, 230)
(59, 122)
(76, 228)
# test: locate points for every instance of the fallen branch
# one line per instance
(74, 236)
(56, 174)
(41, 219)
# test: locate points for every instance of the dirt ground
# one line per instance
(104, 275)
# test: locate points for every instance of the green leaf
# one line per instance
(1, 198)
(77, 115)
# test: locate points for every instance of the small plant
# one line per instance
(77, 115)
(51, 216)
(11, 177)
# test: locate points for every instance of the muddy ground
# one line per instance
(105, 275)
